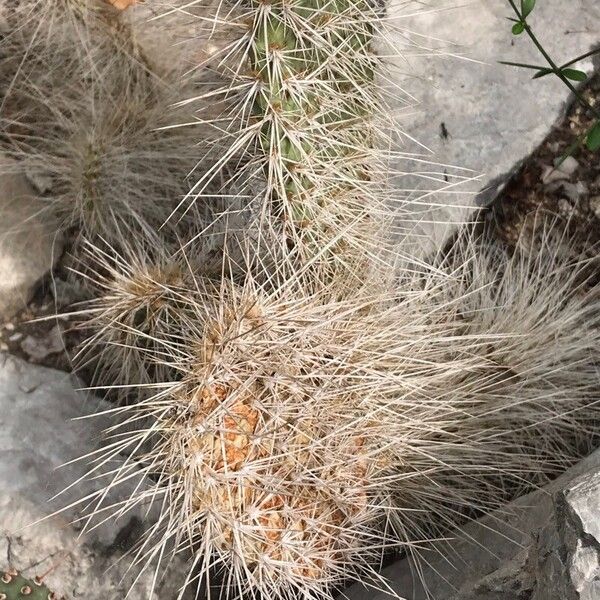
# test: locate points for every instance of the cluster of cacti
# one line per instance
(14, 586)
(300, 399)
(81, 110)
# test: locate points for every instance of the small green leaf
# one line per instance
(518, 28)
(527, 7)
(574, 74)
(543, 73)
(593, 138)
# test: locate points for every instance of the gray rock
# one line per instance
(473, 112)
(574, 191)
(39, 348)
(552, 175)
(595, 205)
(30, 243)
(543, 546)
(569, 165)
(42, 428)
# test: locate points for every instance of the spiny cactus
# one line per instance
(14, 586)
(305, 118)
(82, 109)
(526, 334)
(140, 299)
(274, 452)
(299, 435)
(138, 305)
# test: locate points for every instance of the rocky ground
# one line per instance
(474, 112)
(44, 426)
(568, 190)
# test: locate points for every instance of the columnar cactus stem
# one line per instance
(303, 106)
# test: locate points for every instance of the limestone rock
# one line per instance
(472, 112)
(30, 243)
(43, 426)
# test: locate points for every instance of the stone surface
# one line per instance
(30, 243)
(42, 427)
(543, 546)
(39, 348)
(473, 112)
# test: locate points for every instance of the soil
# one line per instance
(567, 192)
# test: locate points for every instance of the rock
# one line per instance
(543, 546)
(565, 208)
(178, 37)
(42, 427)
(68, 292)
(552, 175)
(595, 205)
(30, 243)
(39, 348)
(568, 166)
(473, 112)
(574, 191)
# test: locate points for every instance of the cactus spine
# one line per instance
(303, 106)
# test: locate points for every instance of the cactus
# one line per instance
(14, 586)
(297, 429)
(93, 139)
(304, 407)
(275, 451)
(302, 107)
(138, 303)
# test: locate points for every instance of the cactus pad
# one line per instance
(13, 586)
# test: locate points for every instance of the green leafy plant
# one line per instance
(565, 72)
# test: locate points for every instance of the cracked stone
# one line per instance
(39, 348)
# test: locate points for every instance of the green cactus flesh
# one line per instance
(13, 586)
(312, 61)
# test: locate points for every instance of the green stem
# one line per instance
(555, 68)
(578, 143)
(522, 65)
(582, 57)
